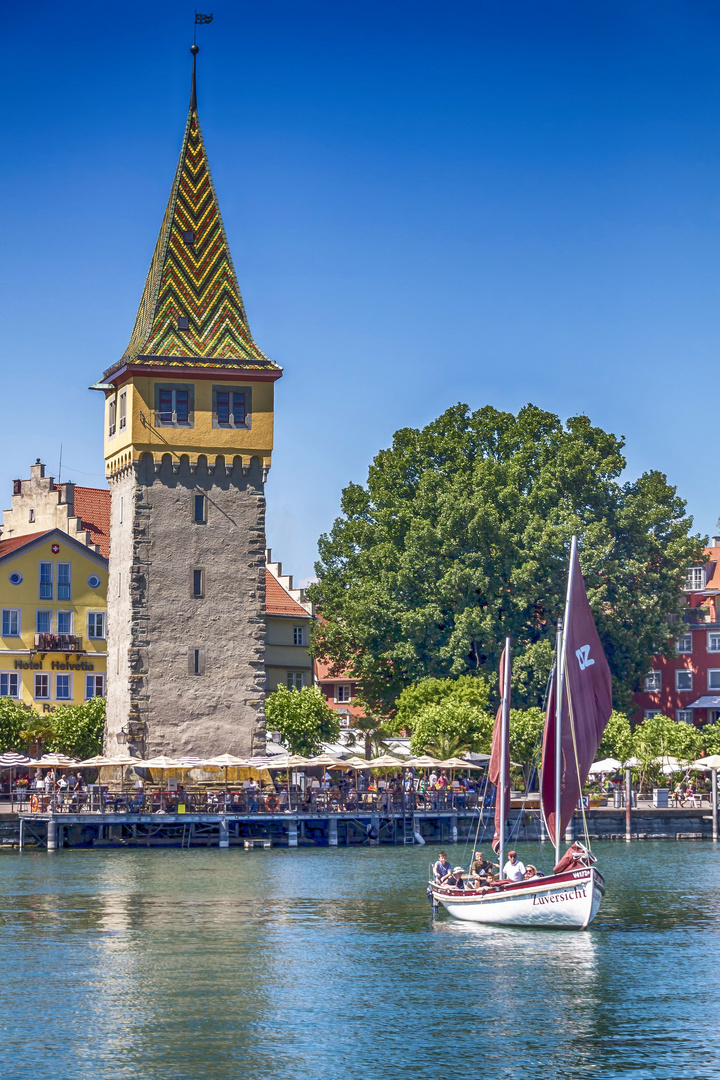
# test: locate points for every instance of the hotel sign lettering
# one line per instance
(56, 665)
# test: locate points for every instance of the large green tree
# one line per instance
(78, 729)
(14, 720)
(303, 718)
(461, 535)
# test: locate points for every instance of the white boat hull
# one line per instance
(570, 900)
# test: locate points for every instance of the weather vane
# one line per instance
(200, 20)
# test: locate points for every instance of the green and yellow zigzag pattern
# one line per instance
(193, 280)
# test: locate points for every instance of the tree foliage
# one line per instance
(465, 725)
(711, 739)
(526, 727)
(617, 740)
(37, 733)
(303, 718)
(78, 729)
(14, 719)
(461, 537)
(466, 690)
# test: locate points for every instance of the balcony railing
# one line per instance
(58, 643)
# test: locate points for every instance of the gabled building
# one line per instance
(289, 617)
(687, 685)
(188, 442)
(340, 692)
(53, 625)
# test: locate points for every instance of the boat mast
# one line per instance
(560, 668)
(504, 749)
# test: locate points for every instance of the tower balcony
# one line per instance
(65, 643)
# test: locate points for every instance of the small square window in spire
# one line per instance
(183, 323)
(188, 237)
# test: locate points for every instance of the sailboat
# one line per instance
(579, 707)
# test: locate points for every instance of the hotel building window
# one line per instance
(63, 581)
(63, 688)
(96, 624)
(683, 680)
(684, 716)
(64, 622)
(713, 677)
(684, 644)
(11, 622)
(42, 686)
(43, 622)
(295, 680)
(298, 635)
(9, 684)
(653, 682)
(46, 581)
(94, 686)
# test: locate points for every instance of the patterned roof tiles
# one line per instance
(192, 280)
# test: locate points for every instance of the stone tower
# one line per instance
(188, 439)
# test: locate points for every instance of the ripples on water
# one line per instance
(215, 965)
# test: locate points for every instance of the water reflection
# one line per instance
(207, 964)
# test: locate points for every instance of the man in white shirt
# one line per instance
(513, 870)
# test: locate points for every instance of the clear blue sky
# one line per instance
(488, 202)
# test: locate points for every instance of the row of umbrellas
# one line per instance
(668, 764)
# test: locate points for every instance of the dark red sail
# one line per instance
(502, 806)
(586, 707)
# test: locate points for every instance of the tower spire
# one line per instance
(194, 49)
(191, 309)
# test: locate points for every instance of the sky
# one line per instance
(493, 203)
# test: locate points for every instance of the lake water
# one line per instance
(209, 964)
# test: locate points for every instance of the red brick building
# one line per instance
(340, 692)
(687, 685)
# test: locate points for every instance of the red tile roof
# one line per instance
(15, 542)
(279, 602)
(323, 673)
(92, 506)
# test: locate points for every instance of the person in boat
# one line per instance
(532, 873)
(442, 868)
(513, 870)
(480, 867)
(455, 881)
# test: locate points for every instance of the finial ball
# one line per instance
(194, 49)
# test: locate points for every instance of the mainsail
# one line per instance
(586, 695)
(499, 771)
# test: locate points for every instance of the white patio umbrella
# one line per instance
(162, 762)
(424, 761)
(609, 764)
(227, 761)
(287, 762)
(713, 763)
(11, 760)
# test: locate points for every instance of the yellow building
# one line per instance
(53, 621)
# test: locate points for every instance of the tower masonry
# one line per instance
(188, 442)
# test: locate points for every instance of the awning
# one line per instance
(708, 701)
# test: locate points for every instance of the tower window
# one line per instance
(31, 515)
(198, 583)
(199, 509)
(231, 408)
(196, 661)
(174, 406)
(112, 413)
(183, 323)
(123, 409)
(188, 237)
